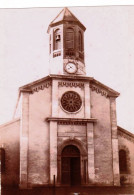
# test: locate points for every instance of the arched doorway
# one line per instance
(70, 165)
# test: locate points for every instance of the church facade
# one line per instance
(67, 132)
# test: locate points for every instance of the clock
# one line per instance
(71, 68)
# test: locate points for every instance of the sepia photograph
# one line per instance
(67, 100)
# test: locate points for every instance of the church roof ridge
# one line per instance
(66, 15)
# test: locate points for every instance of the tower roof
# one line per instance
(66, 16)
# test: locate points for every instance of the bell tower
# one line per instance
(66, 45)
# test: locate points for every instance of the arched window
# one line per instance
(69, 38)
(123, 161)
(80, 42)
(57, 39)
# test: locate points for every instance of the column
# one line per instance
(116, 176)
(87, 100)
(24, 140)
(90, 145)
(53, 151)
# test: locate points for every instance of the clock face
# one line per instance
(71, 68)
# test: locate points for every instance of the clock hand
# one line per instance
(70, 67)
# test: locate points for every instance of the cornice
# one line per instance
(46, 82)
(110, 91)
(71, 77)
(97, 89)
(73, 120)
(66, 22)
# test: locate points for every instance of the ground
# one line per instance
(71, 191)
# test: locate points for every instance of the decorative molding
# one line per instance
(126, 136)
(56, 53)
(71, 134)
(72, 123)
(26, 90)
(41, 86)
(98, 90)
(81, 120)
(71, 84)
(75, 142)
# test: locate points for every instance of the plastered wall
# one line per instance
(100, 109)
(38, 155)
(9, 140)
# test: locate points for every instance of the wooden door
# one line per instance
(75, 171)
(70, 166)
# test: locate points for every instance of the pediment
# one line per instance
(45, 82)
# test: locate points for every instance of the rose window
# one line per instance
(71, 101)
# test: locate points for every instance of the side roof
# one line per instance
(126, 134)
(9, 123)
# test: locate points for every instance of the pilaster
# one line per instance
(24, 140)
(54, 98)
(53, 151)
(87, 100)
(116, 176)
(90, 145)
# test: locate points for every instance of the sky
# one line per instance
(109, 52)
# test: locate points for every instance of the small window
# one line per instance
(80, 42)
(57, 40)
(69, 38)
(123, 161)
